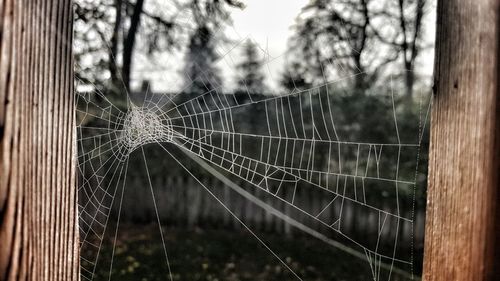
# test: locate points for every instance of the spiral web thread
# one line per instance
(211, 127)
(205, 126)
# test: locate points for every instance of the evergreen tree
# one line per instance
(203, 74)
(250, 78)
(208, 15)
(293, 79)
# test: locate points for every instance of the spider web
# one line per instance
(286, 164)
(298, 149)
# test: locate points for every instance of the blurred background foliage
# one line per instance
(372, 48)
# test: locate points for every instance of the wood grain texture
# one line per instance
(38, 215)
(463, 165)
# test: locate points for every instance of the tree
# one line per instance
(329, 35)
(200, 69)
(110, 32)
(38, 201)
(107, 61)
(202, 74)
(293, 78)
(129, 40)
(411, 42)
(343, 38)
(250, 79)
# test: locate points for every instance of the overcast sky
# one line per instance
(266, 22)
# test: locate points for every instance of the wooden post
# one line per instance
(463, 165)
(38, 219)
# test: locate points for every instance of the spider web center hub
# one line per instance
(142, 126)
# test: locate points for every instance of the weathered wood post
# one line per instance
(38, 219)
(463, 186)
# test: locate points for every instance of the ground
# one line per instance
(216, 254)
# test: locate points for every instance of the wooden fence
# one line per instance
(181, 201)
(38, 198)
(462, 195)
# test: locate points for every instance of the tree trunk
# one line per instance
(113, 64)
(463, 165)
(38, 214)
(129, 42)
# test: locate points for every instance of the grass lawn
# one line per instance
(223, 255)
